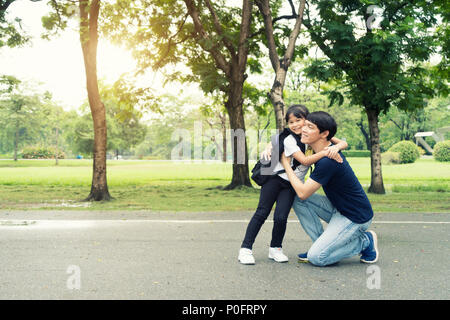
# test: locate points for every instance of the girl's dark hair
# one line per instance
(298, 110)
(324, 121)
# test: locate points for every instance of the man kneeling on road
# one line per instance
(345, 207)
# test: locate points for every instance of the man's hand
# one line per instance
(332, 152)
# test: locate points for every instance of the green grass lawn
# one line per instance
(196, 186)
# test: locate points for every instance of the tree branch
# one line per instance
(286, 17)
(219, 29)
(360, 124)
(264, 9)
(292, 7)
(398, 126)
(218, 57)
(244, 33)
(170, 42)
(294, 34)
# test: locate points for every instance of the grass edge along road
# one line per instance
(422, 186)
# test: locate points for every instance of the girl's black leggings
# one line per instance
(277, 190)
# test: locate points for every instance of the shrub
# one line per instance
(40, 152)
(441, 151)
(408, 151)
(150, 158)
(390, 157)
(421, 150)
(356, 153)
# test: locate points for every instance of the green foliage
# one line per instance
(408, 151)
(255, 98)
(442, 151)
(81, 135)
(165, 36)
(59, 16)
(123, 127)
(29, 116)
(323, 70)
(41, 152)
(8, 84)
(380, 67)
(20, 115)
(11, 33)
(390, 157)
(348, 117)
(356, 153)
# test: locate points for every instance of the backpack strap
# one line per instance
(275, 139)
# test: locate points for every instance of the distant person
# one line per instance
(278, 189)
(345, 207)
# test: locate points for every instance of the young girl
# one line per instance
(278, 188)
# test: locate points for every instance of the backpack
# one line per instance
(264, 169)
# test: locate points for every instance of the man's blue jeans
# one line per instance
(341, 239)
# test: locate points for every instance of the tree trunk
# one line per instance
(276, 98)
(223, 124)
(238, 140)
(89, 41)
(236, 78)
(376, 181)
(280, 66)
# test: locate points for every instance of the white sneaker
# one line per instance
(277, 255)
(246, 256)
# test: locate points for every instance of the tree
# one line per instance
(88, 29)
(212, 39)
(89, 12)
(379, 68)
(280, 65)
(21, 113)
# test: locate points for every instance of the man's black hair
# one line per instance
(324, 122)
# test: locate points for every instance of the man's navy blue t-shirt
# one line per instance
(343, 189)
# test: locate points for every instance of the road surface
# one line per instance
(190, 256)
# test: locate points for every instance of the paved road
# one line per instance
(148, 255)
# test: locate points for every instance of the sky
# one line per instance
(58, 64)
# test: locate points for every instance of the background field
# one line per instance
(196, 186)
